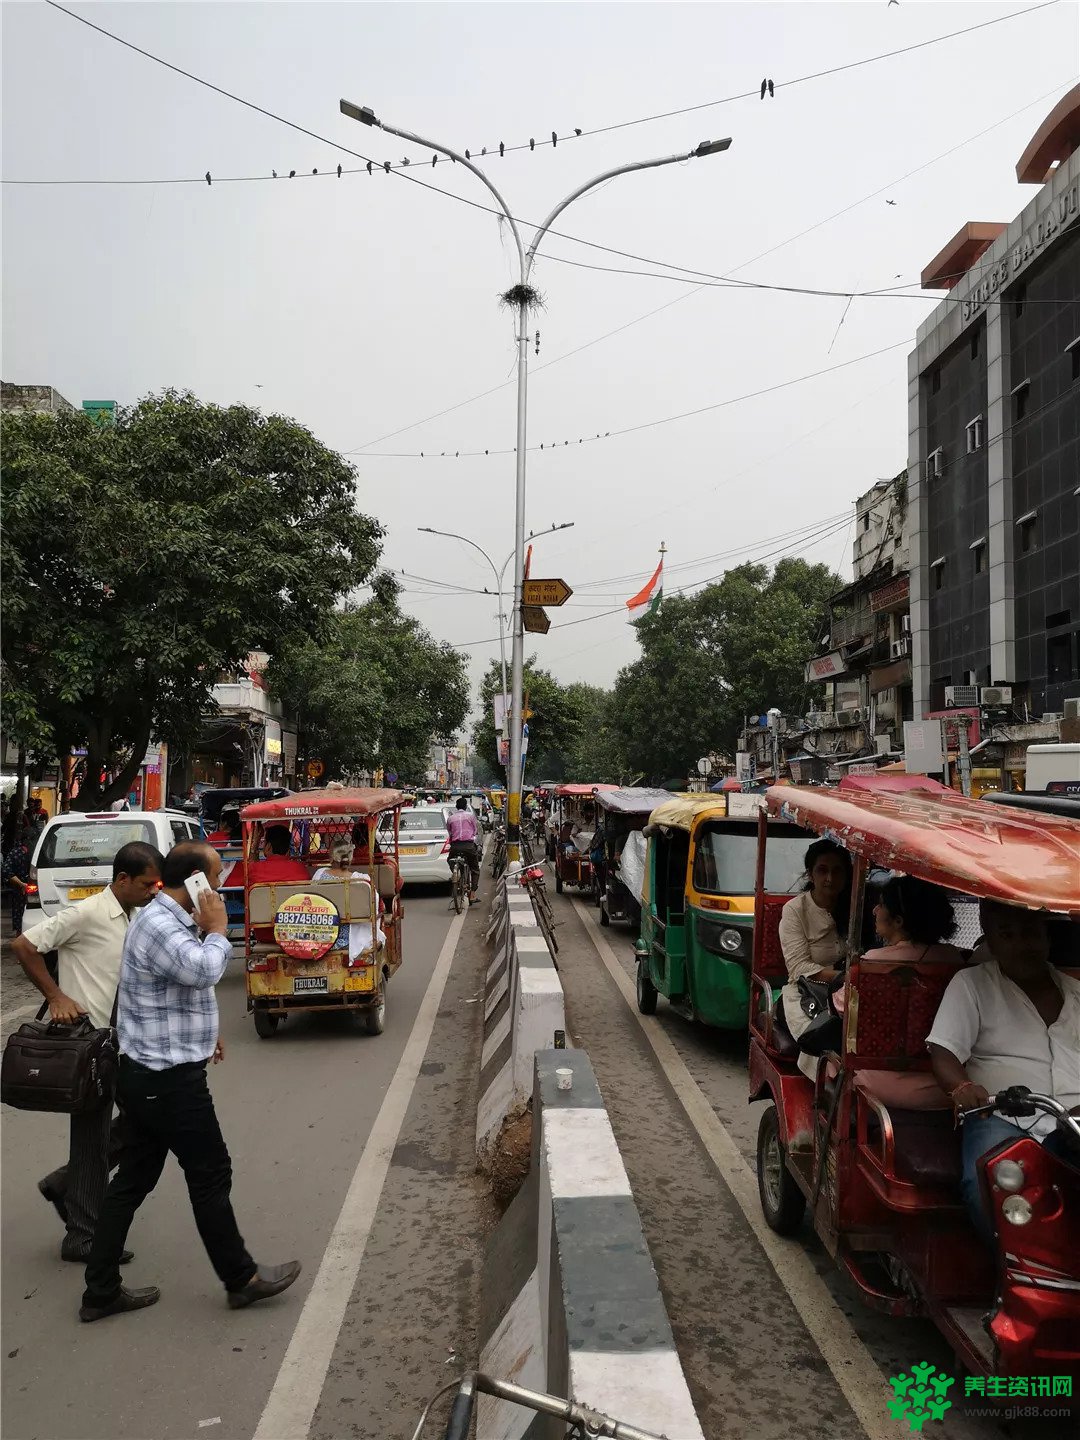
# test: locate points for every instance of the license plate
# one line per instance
(306, 984)
(83, 892)
(412, 850)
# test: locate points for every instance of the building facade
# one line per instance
(994, 449)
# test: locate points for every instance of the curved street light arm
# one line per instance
(367, 118)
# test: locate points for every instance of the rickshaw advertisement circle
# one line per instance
(307, 926)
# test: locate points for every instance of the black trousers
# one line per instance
(93, 1150)
(163, 1111)
(469, 851)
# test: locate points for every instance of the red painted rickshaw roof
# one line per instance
(306, 804)
(586, 790)
(949, 840)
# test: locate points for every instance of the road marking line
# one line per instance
(853, 1367)
(290, 1407)
(19, 1014)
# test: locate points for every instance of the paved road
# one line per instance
(322, 1168)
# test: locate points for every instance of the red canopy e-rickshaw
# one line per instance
(870, 1147)
(329, 945)
(574, 824)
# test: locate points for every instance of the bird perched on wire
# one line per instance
(467, 155)
(274, 174)
(532, 143)
(577, 130)
(502, 149)
(291, 174)
(554, 139)
(369, 167)
(208, 177)
(339, 172)
(434, 161)
(314, 172)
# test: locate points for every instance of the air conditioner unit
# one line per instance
(828, 719)
(847, 718)
(1051, 717)
(996, 697)
(883, 744)
(961, 695)
(898, 649)
(905, 624)
(1071, 710)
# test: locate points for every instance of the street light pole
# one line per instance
(367, 116)
(499, 577)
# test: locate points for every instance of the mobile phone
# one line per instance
(197, 886)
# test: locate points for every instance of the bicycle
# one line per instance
(531, 878)
(498, 853)
(459, 882)
(584, 1423)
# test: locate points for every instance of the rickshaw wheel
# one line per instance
(646, 991)
(266, 1024)
(782, 1202)
(375, 1018)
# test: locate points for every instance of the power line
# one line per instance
(548, 138)
(649, 314)
(633, 429)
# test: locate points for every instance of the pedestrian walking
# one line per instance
(16, 869)
(89, 941)
(168, 1029)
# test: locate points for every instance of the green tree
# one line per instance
(597, 753)
(735, 648)
(143, 559)
(374, 690)
(553, 727)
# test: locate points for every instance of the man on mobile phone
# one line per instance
(168, 1029)
(89, 940)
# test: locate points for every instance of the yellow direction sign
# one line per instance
(536, 620)
(546, 592)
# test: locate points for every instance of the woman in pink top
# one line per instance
(912, 919)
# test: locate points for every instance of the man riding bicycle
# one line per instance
(465, 841)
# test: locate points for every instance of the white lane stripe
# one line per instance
(20, 1014)
(291, 1405)
(853, 1368)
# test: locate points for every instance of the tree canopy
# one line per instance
(374, 690)
(143, 559)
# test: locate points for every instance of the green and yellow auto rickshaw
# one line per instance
(697, 916)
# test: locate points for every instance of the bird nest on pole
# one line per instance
(519, 295)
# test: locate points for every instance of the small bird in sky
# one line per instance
(208, 177)
(258, 386)
(890, 202)
(339, 172)
(893, 2)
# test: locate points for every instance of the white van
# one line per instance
(74, 855)
(1053, 769)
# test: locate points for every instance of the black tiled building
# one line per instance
(994, 447)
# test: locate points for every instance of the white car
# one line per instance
(74, 854)
(423, 845)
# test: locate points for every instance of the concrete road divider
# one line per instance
(523, 1010)
(570, 1302)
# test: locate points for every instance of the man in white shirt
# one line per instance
(89, 938)
(1013, 1020)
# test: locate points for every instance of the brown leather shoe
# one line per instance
(269, 1280)
(125, 1300)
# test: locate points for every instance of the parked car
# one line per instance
(74, 855)
(423, 845)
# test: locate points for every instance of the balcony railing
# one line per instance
(243, 695)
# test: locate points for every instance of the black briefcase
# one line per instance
(65, 1069)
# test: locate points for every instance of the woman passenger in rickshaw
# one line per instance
(811, 933)
(341, 868)
(912, 918)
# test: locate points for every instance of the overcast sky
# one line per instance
(365, 304)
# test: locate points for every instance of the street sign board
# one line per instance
(102, 412)
(546, 592)
(536, 620)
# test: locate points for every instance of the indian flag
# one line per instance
(647, 600)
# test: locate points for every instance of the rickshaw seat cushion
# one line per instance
(386, 881)
(783, 1042)
(903, 1089)
(926, 1145)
